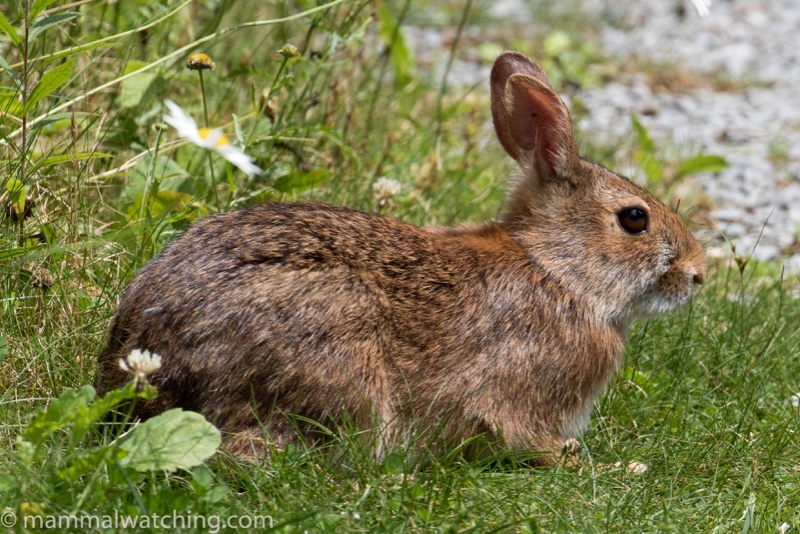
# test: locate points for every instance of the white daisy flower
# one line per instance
(208, 138)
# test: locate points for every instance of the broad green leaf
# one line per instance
(39, 6)
(52, 80)
(400, 52)
(3, 348)
(300, 181)
(133, 65)
(58, 414)
(5, 66)
(16, 195)
(702, 163)
(9, 30)
(88, 415)
(204, 482)
(139, 87)
(49, 22)
(173, 440)
(80, 156)
(394, 464)
(166, 172)
(135, 88)
(87, 461)
(116, 396)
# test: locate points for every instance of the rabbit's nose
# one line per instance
(698, 279)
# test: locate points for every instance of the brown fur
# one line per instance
(509, 329)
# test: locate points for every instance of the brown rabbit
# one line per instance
(508, 329)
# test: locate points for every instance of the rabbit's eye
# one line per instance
(633, 220)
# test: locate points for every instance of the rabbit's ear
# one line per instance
(529, 117)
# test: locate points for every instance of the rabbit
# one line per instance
(508, 330)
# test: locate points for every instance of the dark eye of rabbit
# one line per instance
(633, 220)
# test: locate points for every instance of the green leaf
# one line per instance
(204, 482)
(164, 172)
(9, 30)
(135, 88)
(5, 66)
(300, 181)
(394, 464)
(59, 413)
(87, 461)
(80, 156)
(55, 56)
(3, 348)
(702, 163)
(164, 203)
(88, 415)
(49, 22)
(173, 440)
(39, 6)
(8, 483)
(12, 253)
(52, 80)
(51, 119)
(16, 195)
(401, 54)
(643, 136)
(653, 168)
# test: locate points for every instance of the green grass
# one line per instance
(701, 400)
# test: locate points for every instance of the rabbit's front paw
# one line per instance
(570, 452)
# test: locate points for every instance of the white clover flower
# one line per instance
(208, 138)
(794, 399)
(384, 188)
(141, 363)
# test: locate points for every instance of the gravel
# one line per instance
(756, 128)
(747, 111)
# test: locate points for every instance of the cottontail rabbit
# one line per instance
(508, 329)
